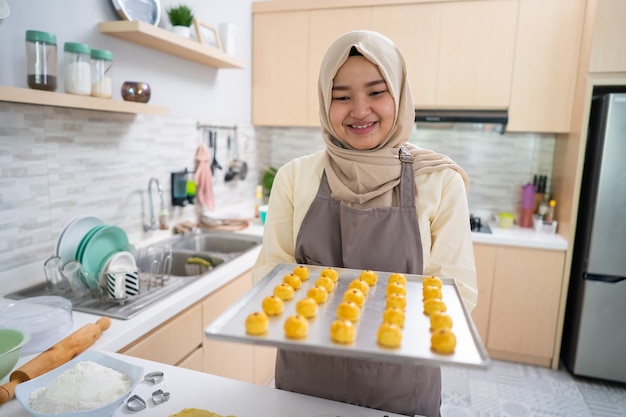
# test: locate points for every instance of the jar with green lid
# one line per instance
(41, 60)
(101, 73)
(77, 68)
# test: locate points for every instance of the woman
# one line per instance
(370, 200)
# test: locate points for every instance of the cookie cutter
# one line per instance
(159, 396)
(154, 377)
(135, 403)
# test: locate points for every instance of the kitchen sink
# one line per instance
(209, 249)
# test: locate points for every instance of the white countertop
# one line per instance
(220, 395)
(523, 237)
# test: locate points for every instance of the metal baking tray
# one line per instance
(415, 347)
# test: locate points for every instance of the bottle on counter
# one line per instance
(258, 200)
(77, 68)
(101, 73)
(549, 217)
(527, 206)
(41, 60)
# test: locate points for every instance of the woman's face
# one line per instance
(362, 109)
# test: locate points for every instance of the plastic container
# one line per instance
(527, 206)
(101, 73)
(41, 60)
(77, 68)
(47, 319)
(506, 220)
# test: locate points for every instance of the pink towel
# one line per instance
(204, 178)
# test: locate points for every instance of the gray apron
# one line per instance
(382, 239)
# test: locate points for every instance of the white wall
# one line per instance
(191, 90)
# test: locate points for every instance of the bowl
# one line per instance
(11, 343)
(136, 91)
(133, 372)
(47, 319)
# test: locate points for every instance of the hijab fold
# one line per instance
(366, 178)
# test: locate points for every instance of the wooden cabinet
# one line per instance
(180, 341)
(518, 302)
(546, 64)
(174, 342)
(609, 32)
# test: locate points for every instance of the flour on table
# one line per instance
(86, 385)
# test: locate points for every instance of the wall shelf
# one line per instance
(49, 98)
(154, 37)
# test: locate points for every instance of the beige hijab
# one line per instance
(366, 178)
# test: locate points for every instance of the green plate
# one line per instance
(104, 243)
(85, 239)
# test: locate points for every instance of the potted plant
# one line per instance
(181, 18)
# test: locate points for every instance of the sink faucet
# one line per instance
(162, 210)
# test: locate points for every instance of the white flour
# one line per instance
(86, 385)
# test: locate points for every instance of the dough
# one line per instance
(432, 281)
(394, 315)
(389, 335)
(296, 327)
(272, 305)
(196, 412)
(443, 341)
(434, 304)
(307, 307)
(326, 282)
(360, 284)
(431, 291)
(342, 331)
(284, 291)
(399, 278)
(330, 272)
(355, 295)
(318, 293)
(348, 310)
(396, 288)
(257, 323)
(440, 320)
(395, 300)
(293, 280)
(369, 276)
(302, 271)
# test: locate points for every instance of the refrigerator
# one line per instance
(594, 334)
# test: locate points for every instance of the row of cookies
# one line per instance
(442, 338)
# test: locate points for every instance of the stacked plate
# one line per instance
(91, 242)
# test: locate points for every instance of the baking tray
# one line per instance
(415, 347)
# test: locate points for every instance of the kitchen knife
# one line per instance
(62, 352)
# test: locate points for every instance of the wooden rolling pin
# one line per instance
(62, 352)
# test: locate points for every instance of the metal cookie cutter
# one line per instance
(154, 377)
(135, 403)
(159, 396)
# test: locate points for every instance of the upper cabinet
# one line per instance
(497, 54)
(608, 53)
(546, 63)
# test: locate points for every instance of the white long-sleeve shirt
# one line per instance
(442, 214)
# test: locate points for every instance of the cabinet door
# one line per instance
(609, 32)
(415, 29)
(195, 361)
(546, 63)
(476, 54)
(185, 329)
(525, 303)
(325, 27)
(485, 258)
(264, 364)
(231, 360)
(280, 69)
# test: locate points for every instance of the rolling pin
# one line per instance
(55, 356)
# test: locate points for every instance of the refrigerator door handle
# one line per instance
(603, 278)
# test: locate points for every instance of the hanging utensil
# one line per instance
(214, 163)
(230, 174)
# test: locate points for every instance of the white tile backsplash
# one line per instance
(59, 163)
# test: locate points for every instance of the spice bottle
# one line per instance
(549, 218)
(41, 60)
(77, 68)
(101, 73)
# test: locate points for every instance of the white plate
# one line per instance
(133, 372)
(120, 261)
(72, 234)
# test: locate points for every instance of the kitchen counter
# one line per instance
(220, 395)
(523, 237)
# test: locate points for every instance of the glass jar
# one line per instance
(41, 60)
(101, 73)
(77, 68)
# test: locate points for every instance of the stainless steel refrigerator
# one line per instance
(594, 337)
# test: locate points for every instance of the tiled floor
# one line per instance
(514, 390)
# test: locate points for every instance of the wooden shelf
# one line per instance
(154, 37)
(49, 98)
